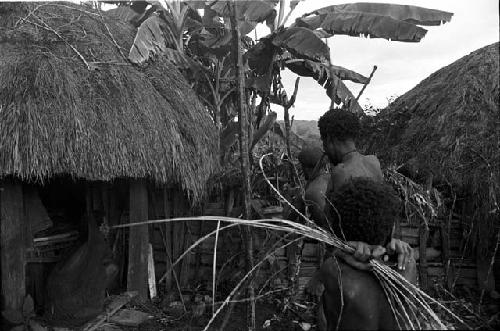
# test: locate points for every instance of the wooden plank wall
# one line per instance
(196, 269)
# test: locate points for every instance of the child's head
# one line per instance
(308, 159)
(367, 210)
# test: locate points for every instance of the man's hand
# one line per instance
(362, 254)
(403, 250)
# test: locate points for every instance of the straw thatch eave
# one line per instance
(70, 103)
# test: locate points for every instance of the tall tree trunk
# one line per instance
(244, 156)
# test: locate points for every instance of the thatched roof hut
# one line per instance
(448, 128)
(71, 103)
(74, 110)
(448, 125)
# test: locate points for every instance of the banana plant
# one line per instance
(301, 49)
(174, 29)
(163, 31)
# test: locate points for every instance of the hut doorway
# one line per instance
(58, 223)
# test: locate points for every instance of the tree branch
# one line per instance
(45, 26)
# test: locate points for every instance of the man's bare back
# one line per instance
(355, 165)
(358, 295)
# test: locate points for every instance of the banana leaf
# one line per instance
(407, 13)
(151, 39)
(251, 11)
(373, 25)
(337, 91)
(302, 43)
(322, 71)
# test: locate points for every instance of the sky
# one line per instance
(401, 66)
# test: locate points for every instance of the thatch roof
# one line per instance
(71, 103)
(449, 126)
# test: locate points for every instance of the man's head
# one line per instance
(338, 130)
(365, 211)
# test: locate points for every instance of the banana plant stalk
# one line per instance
(288, 126)
(244, 156)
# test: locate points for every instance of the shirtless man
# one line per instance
(338, 130)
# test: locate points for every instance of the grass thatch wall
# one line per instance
(448, 126)
(70, 103)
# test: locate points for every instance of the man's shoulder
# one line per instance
(372, 158)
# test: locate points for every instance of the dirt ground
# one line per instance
(269, 316)
(278, 313)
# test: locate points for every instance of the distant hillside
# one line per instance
(307, 131)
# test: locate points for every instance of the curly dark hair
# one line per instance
(367, 209)
(341, 124)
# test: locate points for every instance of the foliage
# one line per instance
(200, 45)
(296, 47)
(421, 206)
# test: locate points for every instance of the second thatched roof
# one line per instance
(447, 129)
(70, 103)
(448, 125)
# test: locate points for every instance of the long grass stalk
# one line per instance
(387, 293)
(214, 268)
(270, 279)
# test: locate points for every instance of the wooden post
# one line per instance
(137, 279)
(445, 256)
(12, 246)
(423, 235)
(179, 231)
(186, 242)
(167, 210)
